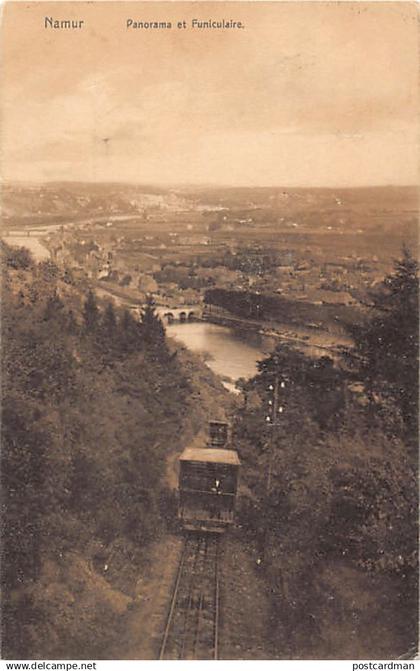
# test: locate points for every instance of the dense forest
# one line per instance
(93, 401)
(332, 486)
(262, 307)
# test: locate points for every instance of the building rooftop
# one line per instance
(210, 455)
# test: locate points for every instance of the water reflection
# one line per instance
(230, 354)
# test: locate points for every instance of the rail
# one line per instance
(192, 626)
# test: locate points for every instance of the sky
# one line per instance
(306, 94)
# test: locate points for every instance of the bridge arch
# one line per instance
(184, 313)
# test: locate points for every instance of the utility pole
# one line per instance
(274, 401)
(273, 418)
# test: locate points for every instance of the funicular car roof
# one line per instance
(210, 455)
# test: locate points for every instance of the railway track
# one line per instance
(192, 627)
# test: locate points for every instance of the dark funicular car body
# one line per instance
(218, 433)
(208, 481)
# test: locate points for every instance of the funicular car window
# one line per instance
(208, 477)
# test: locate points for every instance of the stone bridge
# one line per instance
(184, 313)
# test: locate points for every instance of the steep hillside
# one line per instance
(93, 404)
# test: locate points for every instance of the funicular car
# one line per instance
(218, 434)
(208, 481)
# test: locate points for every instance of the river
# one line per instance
(229, 354)
(233, 354)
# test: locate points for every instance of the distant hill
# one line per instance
(383, 205)
(375, 196)
(78, 199)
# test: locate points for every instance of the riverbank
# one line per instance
(311, 339)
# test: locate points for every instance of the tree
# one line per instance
(48, 271)
(71, 323)
(152, 329)
(109, 321)
(385, 352)
(18, 258)
(83, 456)
(312, 386)
(108, 335)
(54, 307)
(129, 329)
(90, 312)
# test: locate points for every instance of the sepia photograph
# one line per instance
(209, 331)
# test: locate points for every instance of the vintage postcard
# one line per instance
(209, 331)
